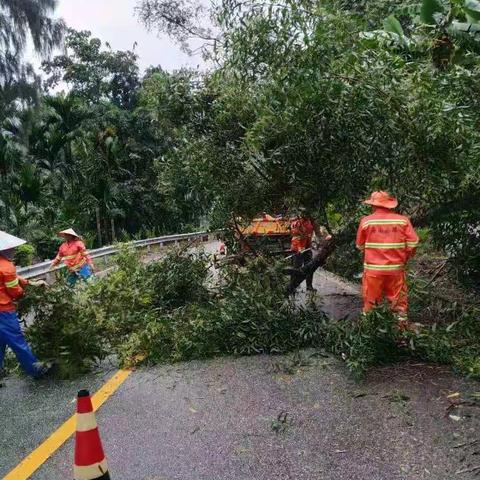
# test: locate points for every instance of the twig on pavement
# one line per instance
(468, 470)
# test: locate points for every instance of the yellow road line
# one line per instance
(43, 452)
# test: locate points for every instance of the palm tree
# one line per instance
(19, 22)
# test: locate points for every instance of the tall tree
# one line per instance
(19, 22)
(95, 74)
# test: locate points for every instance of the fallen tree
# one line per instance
(318, 260)
(174, 310)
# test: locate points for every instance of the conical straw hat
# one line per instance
(7, 241)
(69, 231)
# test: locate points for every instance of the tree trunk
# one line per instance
(106, 230)
(112, 225)
(99, 226)
(317, 261)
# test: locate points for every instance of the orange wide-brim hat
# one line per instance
(382, 199)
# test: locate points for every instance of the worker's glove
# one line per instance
(38, 283)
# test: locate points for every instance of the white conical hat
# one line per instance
(7, 241)
(69, 231)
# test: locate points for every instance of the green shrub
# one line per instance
(60, 332)
(453, 344)
(24, 255)
(178, 279)
(368, 341)
(47, 246)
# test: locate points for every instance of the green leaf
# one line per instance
(449, 328)
(392, 25)
(472, 10)
(428, 10)
(463, 27)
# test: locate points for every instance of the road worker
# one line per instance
(302, 228)
(75, 256)
(11, 289)
(388, 241)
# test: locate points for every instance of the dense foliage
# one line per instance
(321, 102)
(88, 157)
(176, 309)
(308, 102)
(166, 311)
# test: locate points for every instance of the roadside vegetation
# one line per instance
(175, 310)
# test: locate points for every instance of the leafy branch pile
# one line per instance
(162, 312)
(375, 340)
(176, 310)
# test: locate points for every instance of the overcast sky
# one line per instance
(114, 21)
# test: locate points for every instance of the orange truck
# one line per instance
(265, 234)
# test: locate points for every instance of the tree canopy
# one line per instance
(319, 103)
(306, 102)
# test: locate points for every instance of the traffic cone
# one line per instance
(90, 462)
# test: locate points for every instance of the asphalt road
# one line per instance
(225, 419)
(260, 418)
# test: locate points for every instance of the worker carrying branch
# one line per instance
(302, 228)
(75, 256)
(12, 289)
(388, 241)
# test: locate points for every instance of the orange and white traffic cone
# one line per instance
(90, 462)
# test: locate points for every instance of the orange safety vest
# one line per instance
(74, 255)
(302, 232)
(10, 285)
(388, 240)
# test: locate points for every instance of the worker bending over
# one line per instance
(388, 241)
(11, 289)
(75, 256)
(302, 228)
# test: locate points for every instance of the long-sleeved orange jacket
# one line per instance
(74, 254)
(10, 285)
(302, 232)
(388, 240)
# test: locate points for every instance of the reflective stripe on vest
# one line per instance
(384, 222)
(369, 266)
(385, 245)
(12, 284)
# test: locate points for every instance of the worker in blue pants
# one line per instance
(11, 289)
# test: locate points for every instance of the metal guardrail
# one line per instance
(42, 270)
